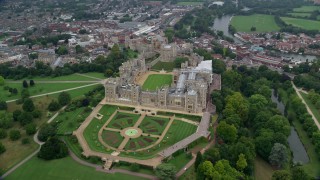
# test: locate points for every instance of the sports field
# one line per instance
(263, 23)
(61, 169)
(302, 23)
(156, 81)
(306, 9)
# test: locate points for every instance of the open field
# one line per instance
(36, 89)
(302, 23)
(156, 81)
(314, 110)
(190, 3)
(263, 23)
(61, 169)
(306, 9)
(167, 66)
(153, 125)
(300, 14)
(71, 77)
(95, 74)
(262, 169)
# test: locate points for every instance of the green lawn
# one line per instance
(167, 66)
(123, 120)
(262, 169)
(300, 14)
(70, 121)
(156, 81)
(186, 116)
(302, 23)
(153, 125)
(61, 169)
(314, 110)
(36, 89)
(71, 77)
(306, 9)
(263, 23)
(190, 3)
(190, 174)
(140, 142)
(179, 161)
(95, 74)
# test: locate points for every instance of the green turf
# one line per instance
(71, 77)
(190, 3)
(140, 142)
(95, 74)
(190, 174)
(315, 111)
(70, 121)
(167, 66)
(156, 81)
(179, 161)
(91, 132)
(263, 23)
(36, 89)
(186, 116)
(306, 9)
(112, 138)
(153, 125)
(300, 14)
(302, 23)
(123, 120)
(61, 169)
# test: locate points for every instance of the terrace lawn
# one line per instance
(302, 23)
(123, 120)
(306, 9)
(156, 81)
(167, 66)
(153, 125)
(263, 23)
(62, 169)
(37, 89)
(314, 110)
(300, 14)
(91, 132)
(186, 3)
(112, 138)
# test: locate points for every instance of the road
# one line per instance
(308, 109)
(55, 92)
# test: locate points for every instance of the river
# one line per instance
(299, 153)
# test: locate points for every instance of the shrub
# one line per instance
(2, 148)
(14, 135)
(31, 129)
(134, 167)
(3, 134)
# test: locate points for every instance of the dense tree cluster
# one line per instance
(53, 148)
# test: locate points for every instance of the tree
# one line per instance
(64, 98)
(165, 171)
(25, 118)
(47, 131)
(279, 155)
(53, 148)
(6, 120)
(242, 162)
(198, 161)
(281, 175)
(53, 106)
(2, 81)
(298, 173)
(79, 49)
(31, 82)
(28, 105)
(14, 135)
(205, 170)
(16, 114)
(3, 133)
(62, 50)
(3, 105)
(2, 148)
(178, 61)
(24, 94)
(31, 129)
(25, 84)
(226, 132)
(237, 104)
(253, 28)
(218, 66)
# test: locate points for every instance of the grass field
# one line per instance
(186, 3)
(314, 110)
(167, 66)
(153, 125)
(300, 14)
(190, 174)
(302, 23)
(179, 161)
(36, 89)
(306, 9)
(156, 81)
(95, 74)
(71, 77)
(263, 23)
(62, 169)
(262, 169)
